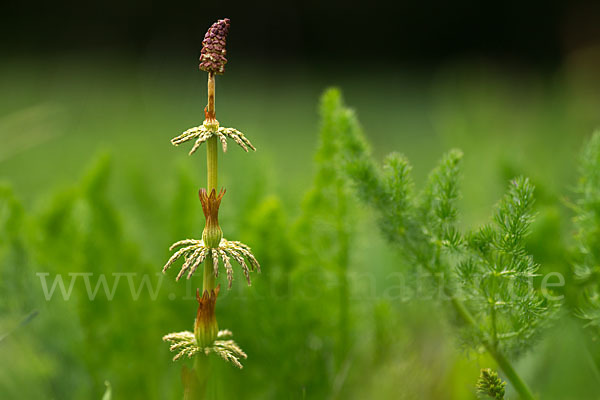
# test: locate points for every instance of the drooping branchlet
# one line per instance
(186, 345)
(210, 129)
(212, 56)
(195, 252)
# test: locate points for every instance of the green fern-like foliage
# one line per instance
(587, 237)
(486, 274)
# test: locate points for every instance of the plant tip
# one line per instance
(212, 57)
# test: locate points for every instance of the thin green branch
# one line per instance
(425, 227)
(504, 364)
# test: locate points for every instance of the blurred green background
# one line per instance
(90, 184)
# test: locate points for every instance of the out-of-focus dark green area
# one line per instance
(91, 186)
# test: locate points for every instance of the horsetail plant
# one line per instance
(212, 247)
(485, 275)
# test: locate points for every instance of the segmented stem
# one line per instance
(212, 163)
(210, 108)
(212, 167)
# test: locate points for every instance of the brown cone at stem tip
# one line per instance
(205, 326)
(212, 57)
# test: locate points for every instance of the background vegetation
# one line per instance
(91, 184)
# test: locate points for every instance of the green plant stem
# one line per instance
(201, 363)
(212, 168)
(208, 282)
(210, 107)
(342, 262)
(593, 364)
(212, 163)
(196, 384)
(505, 365)
(514, 378)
